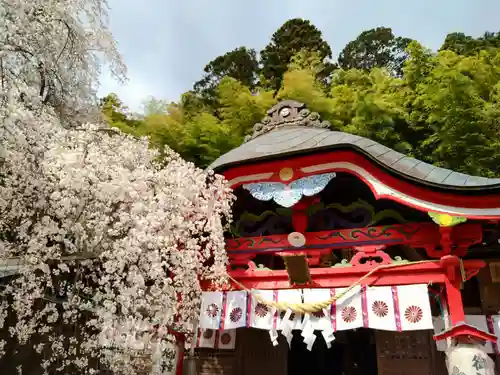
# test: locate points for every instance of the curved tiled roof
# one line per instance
(277, 138)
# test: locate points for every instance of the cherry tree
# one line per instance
(51, 53)
(105, 243)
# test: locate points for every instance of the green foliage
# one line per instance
(204, 139)
(466, 45)
(291, 38)
(152, 106)
(442, 108)
(115, 113)
(375, 48)
(455, 107)
(164, 129)
(301, 85)
(240, 109)
(371, 104)
(240, 64)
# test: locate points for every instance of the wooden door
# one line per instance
(405, 353)
(216, 362)
(489, 287)
(257, 356)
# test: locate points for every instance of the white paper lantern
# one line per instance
(469, 359)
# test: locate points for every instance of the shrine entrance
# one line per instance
(321, 214)
(352, 353)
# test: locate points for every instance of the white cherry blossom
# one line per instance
(107, 238)
(104, 244)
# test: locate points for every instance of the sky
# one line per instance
(167, 43)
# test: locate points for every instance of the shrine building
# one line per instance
(347, 257)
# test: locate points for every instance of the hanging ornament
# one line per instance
(286, 195)
(296, 239)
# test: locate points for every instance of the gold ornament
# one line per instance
(286, 174)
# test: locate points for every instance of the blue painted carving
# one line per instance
(287, 195)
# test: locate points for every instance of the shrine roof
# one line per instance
(291, 130)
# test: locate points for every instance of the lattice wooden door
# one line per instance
(216, 362)
(405, 353)
(257, 356)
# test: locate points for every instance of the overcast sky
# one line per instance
(166, 43)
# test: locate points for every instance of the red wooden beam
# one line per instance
(423, 235)
(338, 277)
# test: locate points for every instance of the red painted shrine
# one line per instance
(319, 211)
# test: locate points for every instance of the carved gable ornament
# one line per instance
(287, 113)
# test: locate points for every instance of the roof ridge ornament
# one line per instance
(287, 113)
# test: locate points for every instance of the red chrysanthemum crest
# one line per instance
(380, 309)
(413, 314)
(236, 314)
(208, 333)
(212, 310)
(349, 314)
(225, 338)
(261, 310)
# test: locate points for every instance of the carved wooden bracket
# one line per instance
(370, 255)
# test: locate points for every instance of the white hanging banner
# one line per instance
(211, 310)
(294, 320)
(235, 310)
(349, 309)
(380, 307)
(414, 307)
(206, 338)
(226, 339)
(320, 320)
(261, 315)
(397, 308)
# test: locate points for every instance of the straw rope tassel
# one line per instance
(312, 307)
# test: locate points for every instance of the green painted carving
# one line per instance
(343, 263)
(385, 231)
(246, 216)
(245, 240)
(445, 220)
(399, 260)
(376, 216)
(261, 267)
(387, 214)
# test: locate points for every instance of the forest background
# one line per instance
(442, 107)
